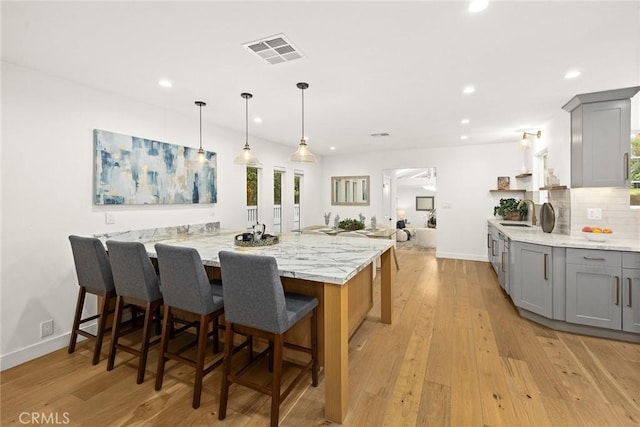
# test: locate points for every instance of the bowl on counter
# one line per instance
(597, 237)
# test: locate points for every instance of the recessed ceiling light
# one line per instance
(469, 89)
(463, 137)
(464, 121)
(332, 148)
(572, 74)
(257, 119)
(478, 5)
(165, 83)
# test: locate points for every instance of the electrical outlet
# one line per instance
(109, 218)
(594, 213)
(46, 328)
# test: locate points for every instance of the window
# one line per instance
(296, 190)
(252, 195)
(252, 186)
(277, 201)
(634, 169)
(277, 187)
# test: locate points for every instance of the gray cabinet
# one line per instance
(631, 292)
(532, 285)
(600, 129)
(498, 254)
(593, 288)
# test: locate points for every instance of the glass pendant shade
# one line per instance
(302, 154)
(246, 157)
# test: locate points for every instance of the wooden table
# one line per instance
(337, 271)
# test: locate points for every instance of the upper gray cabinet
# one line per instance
(600, 138)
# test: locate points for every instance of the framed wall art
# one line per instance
(135, 171)
(424, 203)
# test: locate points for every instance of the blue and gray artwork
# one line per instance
(137, 171)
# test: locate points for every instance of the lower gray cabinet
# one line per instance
(532, 285)
(631, 292)
(594, 288)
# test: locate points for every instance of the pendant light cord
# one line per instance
(200, 127)
(302, 115)
(246, 121)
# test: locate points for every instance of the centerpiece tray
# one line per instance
(265, 241)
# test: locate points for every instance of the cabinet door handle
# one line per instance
(546, 272)
(503, 254)
(488, 240)
(493, 247)
(629, 292)
(617, 290)
(588, 258)
(626, 166)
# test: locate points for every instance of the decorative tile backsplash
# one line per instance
(561, 202)
(616, 212)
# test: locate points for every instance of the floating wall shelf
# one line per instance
(508, 191)
(523, 175)
(554, 187)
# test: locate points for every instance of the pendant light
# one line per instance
(246, 157)
(303, 154)
(201, 156)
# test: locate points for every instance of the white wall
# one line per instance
(47, 187)
(465, 176)
(407, 203)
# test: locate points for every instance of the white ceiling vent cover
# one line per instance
(274, 49)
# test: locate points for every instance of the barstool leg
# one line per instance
(115, 332)
(226, 370)
(102, 326)
(146, 337)
(76, 319)
(164, 343)
(203, 332)
(278, 346)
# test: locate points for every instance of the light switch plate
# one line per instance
(594, 213)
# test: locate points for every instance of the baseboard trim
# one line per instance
(455, 255)
(39, 349)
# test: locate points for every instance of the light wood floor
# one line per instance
(457, 354)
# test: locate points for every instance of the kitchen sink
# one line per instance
(517, 224)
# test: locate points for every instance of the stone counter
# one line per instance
(537, 236)
(303, 256)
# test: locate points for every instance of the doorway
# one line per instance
(407, 194)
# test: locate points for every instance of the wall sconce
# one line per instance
(524, 142)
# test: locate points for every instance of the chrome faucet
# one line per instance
(534, 220)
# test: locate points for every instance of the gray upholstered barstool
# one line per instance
(185, 287)
(256, 304)
(136, 283)
(94, 277)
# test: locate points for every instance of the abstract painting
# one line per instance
(137, 171)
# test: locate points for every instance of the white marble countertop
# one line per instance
(537, 236)
(304, 256)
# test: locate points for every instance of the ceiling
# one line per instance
(372, 67)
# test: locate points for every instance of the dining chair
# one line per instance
(256, 304)
(95, 277)
(137, 284)
(186, 289)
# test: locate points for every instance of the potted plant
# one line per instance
(511, 209)
(351, 224)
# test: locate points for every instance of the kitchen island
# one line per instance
(567, 282)
(335, 270)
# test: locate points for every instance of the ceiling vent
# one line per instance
(274, 49)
